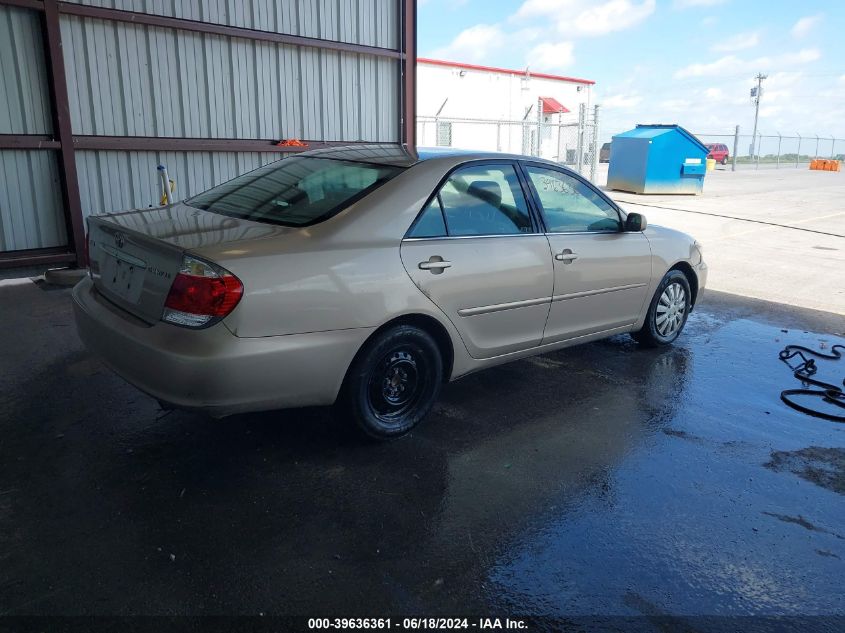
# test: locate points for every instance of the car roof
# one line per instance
(402, 156)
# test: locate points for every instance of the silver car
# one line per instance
(367, 276)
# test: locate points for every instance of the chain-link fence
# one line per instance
(776, 150)
(571, 143)
(574, 142)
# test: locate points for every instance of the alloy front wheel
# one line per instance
(671, 309)
(668, 311)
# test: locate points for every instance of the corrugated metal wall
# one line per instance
(369, 22)
(121, 180)
(136, 80)
(25, 102)
(30, 200)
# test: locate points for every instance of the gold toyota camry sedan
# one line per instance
(367, 276)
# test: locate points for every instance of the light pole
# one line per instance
(756, 93)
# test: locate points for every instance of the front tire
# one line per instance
(393, 382)
(725, 160)
(668, 311)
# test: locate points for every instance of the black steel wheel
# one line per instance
(393, 382)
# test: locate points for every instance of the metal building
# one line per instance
(500, 109)
(94, 94)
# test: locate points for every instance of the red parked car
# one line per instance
(718, 152)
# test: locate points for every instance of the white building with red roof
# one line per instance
(498, 109)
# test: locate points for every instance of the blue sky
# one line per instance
(684, 61)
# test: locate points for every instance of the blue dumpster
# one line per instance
(657, 158)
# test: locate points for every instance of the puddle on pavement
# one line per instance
(708, 516)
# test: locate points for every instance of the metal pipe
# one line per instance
(736, 148)
(167, 195)
(581, 121)
(595, 162)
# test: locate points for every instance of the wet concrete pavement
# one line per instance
(605, 479)
(748, 219)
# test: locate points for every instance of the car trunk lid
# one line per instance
(135, 255)
(131, 269)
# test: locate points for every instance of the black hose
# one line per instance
(830, 393)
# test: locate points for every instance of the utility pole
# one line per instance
(756, 93)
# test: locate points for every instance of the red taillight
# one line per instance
(201, 293)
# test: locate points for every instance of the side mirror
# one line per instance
(635, 223)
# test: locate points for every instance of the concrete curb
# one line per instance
(65, 276)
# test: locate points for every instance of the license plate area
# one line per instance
(123, 275)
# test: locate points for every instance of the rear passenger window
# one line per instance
(484, 200)
(430, 223)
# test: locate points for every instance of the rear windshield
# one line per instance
(296, 191)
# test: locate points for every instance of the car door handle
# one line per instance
(435, 264)
(566, 256)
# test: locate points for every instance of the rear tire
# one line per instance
(393, 382)
(668, 311)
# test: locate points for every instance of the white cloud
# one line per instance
(676, 105)
(551, 56)
(801, 57)
(616, 15)
(472, 45)
(721, 66)
(737, 42)
(528, 34)
(732, 65)
(622, 101)
(535, 8)
(686, 4)
(710, 20)
(803, 26)
(586, 17)
(479, 42)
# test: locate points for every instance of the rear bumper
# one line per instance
(212, 369)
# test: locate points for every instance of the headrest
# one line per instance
(487, 190)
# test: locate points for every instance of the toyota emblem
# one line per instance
(119, 240)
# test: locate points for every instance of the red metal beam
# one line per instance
(35, 257)
(181, 144)
(35, 5)
(62, 129)
(118, 15)
(28, 141)
(408, 83)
